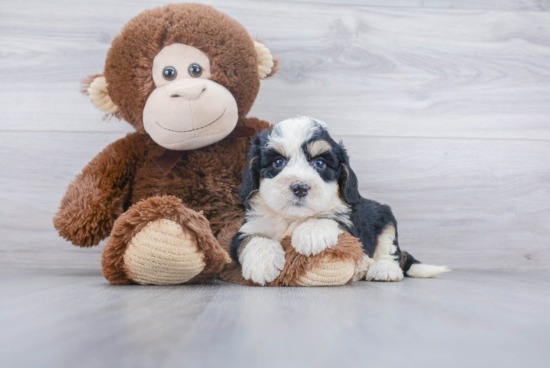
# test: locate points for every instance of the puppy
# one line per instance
(298, 183)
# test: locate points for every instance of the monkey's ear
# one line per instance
(96, 87)
(267, 64)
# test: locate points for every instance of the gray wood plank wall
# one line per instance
(444, 106)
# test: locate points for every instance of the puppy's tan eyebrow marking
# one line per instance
(317, 148)
(277, 147)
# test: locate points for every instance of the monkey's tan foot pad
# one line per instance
(160, 241)
(163, 254)
(328, 271)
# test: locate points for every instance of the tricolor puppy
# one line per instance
(298, 183)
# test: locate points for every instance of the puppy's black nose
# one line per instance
(299, 190)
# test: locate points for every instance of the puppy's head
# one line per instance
(298, 170)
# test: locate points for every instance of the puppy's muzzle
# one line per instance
(300, 190)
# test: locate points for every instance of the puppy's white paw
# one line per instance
(314, 236)
(262, 260)
(385, 270)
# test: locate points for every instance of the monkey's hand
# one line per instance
(314, 236)
(262, 260)
(96, 198)
(87, 213)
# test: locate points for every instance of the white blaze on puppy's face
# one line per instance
(289, 138)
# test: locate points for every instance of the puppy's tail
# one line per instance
(413, 268)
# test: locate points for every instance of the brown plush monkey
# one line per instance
(185, 76)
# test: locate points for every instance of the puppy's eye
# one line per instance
(195, 70)
(279, 163)
(169, 73)
(319, 164)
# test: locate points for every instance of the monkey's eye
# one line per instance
(169, 73)
(195, 70)
(279, 163)
(320, 164)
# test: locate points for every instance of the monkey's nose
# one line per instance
(188, 89)
(299, 190)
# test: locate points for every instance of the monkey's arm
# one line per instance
(97, 196)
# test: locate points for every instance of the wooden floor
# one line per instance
(444, 106)
(74, 318)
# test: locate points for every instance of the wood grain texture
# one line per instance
(529, 5)
(73, 318)
(445, 113)
(373, 71)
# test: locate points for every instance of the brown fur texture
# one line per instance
(122, 189)
(296, 264)
(226, 42)
(123, 186)
(99, 195)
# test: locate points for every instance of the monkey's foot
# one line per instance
(163, 253)
(328, 271)
(159, 241)
(337, 265)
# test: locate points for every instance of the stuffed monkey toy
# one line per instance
(185, 77)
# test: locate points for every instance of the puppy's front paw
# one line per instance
(314, 236)
(385, 270)
(262, 260)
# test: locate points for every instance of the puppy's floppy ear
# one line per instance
(251, 173)
(347, 180)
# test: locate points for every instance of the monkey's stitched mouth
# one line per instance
(192, 130)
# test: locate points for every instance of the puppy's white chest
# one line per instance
(285, 227)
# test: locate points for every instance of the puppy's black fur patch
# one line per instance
(234, 247)
(369, 219)
(253, 169)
